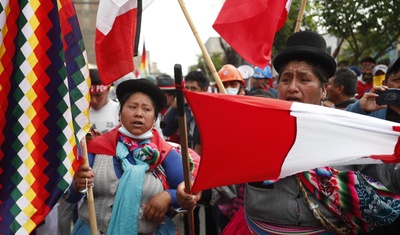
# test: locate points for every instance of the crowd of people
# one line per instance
(136, 172)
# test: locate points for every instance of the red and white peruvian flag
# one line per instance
(247, 139)
(250, 26)
(115, 36)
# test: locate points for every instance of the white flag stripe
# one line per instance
(288, 4)
(327, 137)
(361, 161)
(109, 10)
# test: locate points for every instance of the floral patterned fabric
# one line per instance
(358, 200)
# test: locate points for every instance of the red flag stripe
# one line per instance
(250, 26)
(243, 141)
(239, 147)
(115, 43)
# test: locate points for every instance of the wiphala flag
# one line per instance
(44, 103)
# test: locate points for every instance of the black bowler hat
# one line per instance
(131, 86)
(165, 82)
(393, 67)
(306, 45)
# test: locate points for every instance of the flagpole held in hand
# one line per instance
(300, 16)
(206, 56)
(89, 195)
(183, 138)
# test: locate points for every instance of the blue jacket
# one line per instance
(356, 108)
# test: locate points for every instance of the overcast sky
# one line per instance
(168, 36)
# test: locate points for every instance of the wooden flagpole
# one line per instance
(180, 104)
(300, 16)
(206, 56)
(90, 198)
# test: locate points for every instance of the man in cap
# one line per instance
(368, 104)
(378, 74)
(194, 81)
(103, 111)
(167, 86)
(365, 83)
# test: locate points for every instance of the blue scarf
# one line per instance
(124, 217)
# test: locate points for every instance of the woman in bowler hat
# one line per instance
(134, 170)
(326, 200)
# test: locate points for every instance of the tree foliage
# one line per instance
(368, 28)
(307, 23)
(364, 28)
(201, 65)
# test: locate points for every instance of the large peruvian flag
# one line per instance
(240, 144)
(116, 28)
(249, 27)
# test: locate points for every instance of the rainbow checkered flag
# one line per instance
(44, 102)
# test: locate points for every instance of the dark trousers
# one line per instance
(210, 213)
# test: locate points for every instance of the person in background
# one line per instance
(367, 106)
(51, 223)
(103, 112)
(378, 74)
(234, 84)
(197, 82)
(262, 79)
(152, 79)
(194, 81)
(365, 82)
(113, 87)
(261, 93)
(356, 70)
(167, 84)
(316, 201)
(342, 88)
(67, 216)
(135, 194)
(343, 64)
(232, 80)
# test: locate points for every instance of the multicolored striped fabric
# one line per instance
(261, 228)
(358, 200)
(44, 106)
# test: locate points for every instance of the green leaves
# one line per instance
(369, 28)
